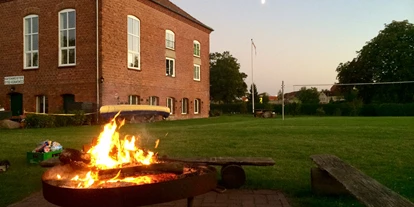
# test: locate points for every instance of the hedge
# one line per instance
(54, 120)
(331, 109)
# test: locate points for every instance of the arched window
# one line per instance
(197, 106)
(133, 100)
(41, 104)
(170, 104)
(67, 37)
(153, 100)
(196, 48)
(134, 57)
(31, 42)
(169, 39)
(184, 106)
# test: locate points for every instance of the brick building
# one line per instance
(54, 52)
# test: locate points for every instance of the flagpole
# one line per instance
(252, 87)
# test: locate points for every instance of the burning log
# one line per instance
(69, 156)
(156, 168)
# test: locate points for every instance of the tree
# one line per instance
(279, 94)
(256, 94)
(388, 57)
(226, 81)
(308, 95)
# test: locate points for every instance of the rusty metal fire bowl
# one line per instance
(186, 186)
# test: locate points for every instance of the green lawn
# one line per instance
(382, 147)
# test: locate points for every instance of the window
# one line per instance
(170, 67)
(196, 48)
(133, 100)
(134, 44)
(196, 72)
(170, 105)
(169, 39)
(196, 106)
(41, 104)
(184, 106)
(67, 37)
(153, 100)
(31, 42)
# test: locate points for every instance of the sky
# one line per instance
(300, 42)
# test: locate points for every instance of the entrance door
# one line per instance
(16, 104)
(67, 100)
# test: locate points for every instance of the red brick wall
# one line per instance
(151, 79)
(48, 79)
(80, 80)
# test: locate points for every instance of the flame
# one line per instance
(111, 152)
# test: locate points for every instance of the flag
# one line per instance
(254, 47)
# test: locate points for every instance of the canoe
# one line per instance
(109, 111)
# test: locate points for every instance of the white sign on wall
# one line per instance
(13, 80)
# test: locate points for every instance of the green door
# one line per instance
(16, 103)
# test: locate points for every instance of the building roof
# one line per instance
(174, 8)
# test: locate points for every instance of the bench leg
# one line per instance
(233, 176)
(324, 184)
(190, 201)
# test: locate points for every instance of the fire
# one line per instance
(112, 152)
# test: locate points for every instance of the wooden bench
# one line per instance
(232, 172)
(333, 176)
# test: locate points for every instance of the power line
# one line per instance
(357, 84)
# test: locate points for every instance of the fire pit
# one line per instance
(200, 181)
(114, 172)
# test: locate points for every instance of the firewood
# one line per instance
(156, 168)
(70, 155)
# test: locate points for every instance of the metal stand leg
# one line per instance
(190, 201)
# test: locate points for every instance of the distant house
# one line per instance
(328, 96)
(273, 99)
(323, 98)
(291, 97)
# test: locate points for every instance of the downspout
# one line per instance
(97, 62)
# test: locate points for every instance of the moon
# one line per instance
(263, 1)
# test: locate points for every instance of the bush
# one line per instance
(337, 112)
(320, 111)
(79, 117)
(215, 112)
(354, 108)
(243, 108)
(50, 120)
(39, 121)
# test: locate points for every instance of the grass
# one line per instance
(379, 146)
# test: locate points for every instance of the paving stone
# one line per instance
(260, 199)
(230, 198)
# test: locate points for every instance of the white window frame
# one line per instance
(169, 39)
(196, 106)
(171, 107)
(196, 51)
(136, 34)
(32, 36)
(173, 68)
(184, 106)
(131, 98)
(153, 100)
(41, 100)
(67, 30)
(197, 72)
